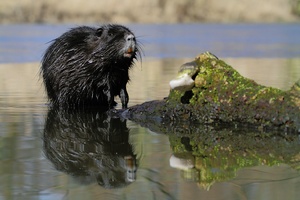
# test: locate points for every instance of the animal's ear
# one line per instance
(99, 31)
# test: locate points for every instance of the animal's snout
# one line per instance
(130, 38)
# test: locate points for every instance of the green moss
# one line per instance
(179, 147)
(227, 122)
(175, 96)
(295, 93)
(295, 7)
(219, 154)
(221, 94)
(217, 82)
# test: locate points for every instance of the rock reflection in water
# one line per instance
(91, 146)
(209, 155)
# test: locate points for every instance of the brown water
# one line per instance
(26, 173)
(49, 155)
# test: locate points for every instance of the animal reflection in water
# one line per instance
(91, 146)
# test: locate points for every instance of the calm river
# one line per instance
(51, 155)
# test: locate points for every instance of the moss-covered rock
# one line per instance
(207, 153)
(220, 95)
(295, 7)
(224, 122)
(219, 154)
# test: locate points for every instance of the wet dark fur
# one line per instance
(89, 67)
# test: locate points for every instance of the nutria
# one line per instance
(89, 66)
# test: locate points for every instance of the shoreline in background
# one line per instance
(28, 42)
(144, 11)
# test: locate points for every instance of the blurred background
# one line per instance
(259, 38)
(146, 11)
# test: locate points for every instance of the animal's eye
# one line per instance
(111, 33)
(99, 31)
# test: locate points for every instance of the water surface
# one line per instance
(50, 155)
(26, 43)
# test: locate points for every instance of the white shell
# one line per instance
(182, 83)
(182, 163)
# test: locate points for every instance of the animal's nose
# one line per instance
(130, 38)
